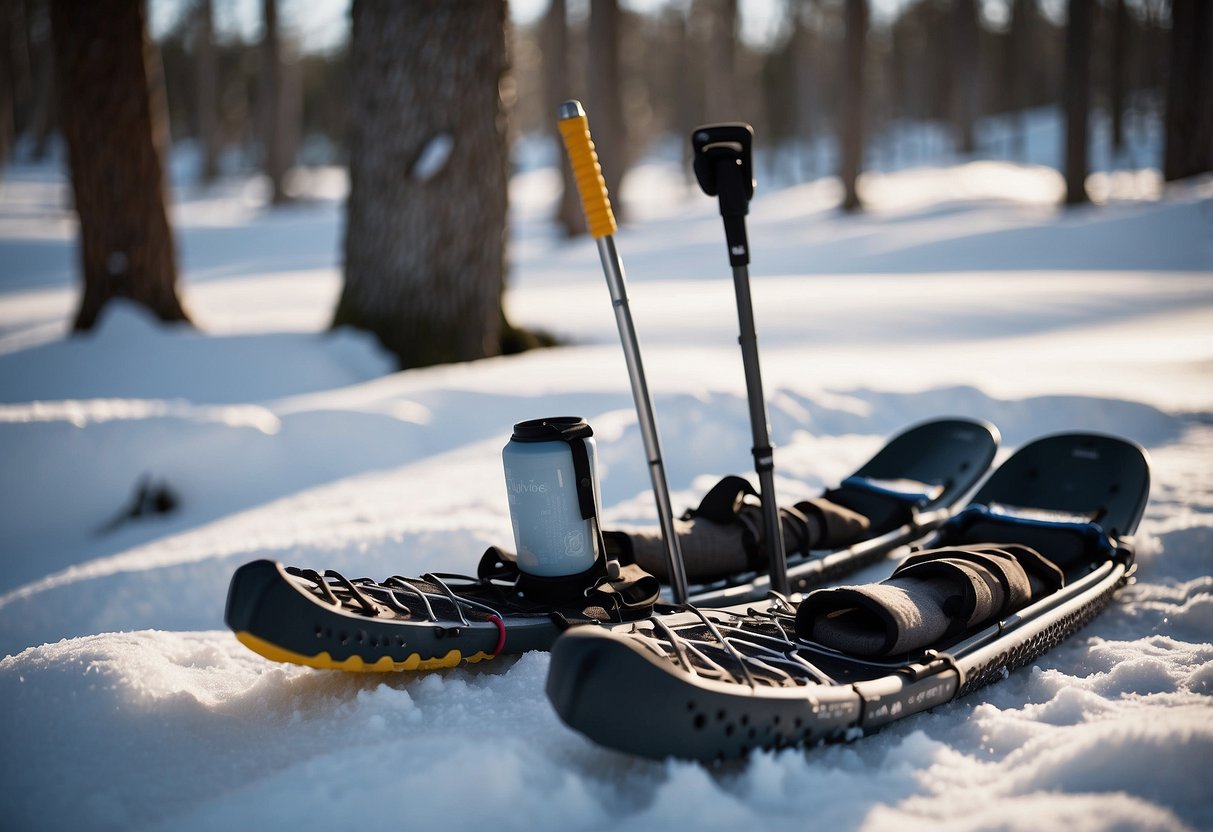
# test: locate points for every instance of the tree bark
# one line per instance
(1188, 147)
(605, 104)
(426, 224)
(112, 114)
(1077, 99)
(851, 138)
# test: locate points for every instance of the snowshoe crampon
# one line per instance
(1042, 548)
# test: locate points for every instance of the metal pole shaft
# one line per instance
(764, 461)
(612, 267)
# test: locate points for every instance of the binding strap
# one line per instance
(931, 597)
(620, 590)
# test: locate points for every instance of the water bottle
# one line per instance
(551, 479)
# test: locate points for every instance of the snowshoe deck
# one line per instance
(327, 620)
(715, 684)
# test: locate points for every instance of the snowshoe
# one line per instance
(327, 620)
(1042, 548)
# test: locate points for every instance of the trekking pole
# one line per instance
(575, 130)
(724, 169)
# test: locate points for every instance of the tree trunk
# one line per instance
(426, 225)
(569, 214)
(720, 70)
(207, 92)
(39, 119)
(1019, 69)
(8, 77)
(1188, 148)
(851, 139)
(112, 111)
(275, 162)
(605, 101)
(1116, 75)
(1077, 99)
(965, 31)
(686, 115)
(804, 67)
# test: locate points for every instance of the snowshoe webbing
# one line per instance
(931, 596)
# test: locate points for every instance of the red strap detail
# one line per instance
(500, 634)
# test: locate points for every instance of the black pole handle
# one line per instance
(724, 166)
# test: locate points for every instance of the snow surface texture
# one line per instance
(124, 704)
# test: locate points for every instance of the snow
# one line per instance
(963, 291)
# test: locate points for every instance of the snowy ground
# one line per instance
(124, 704)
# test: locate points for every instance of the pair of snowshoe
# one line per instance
(1039, 550)
(438, 620)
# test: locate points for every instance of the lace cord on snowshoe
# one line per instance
(361, 595)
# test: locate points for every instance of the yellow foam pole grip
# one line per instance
(575, 130)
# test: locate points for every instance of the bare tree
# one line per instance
(1077, 91)
(10, 26)
(278, 104)
(805, 61)
(426, 225)
(965, 32)
(720, 64)
(569, 215)
(112, 115)
(43, 118)
(207, 90)
(1188, 149)
(851, 137)
(605, 104)
(1018, 66)
(1119, 59)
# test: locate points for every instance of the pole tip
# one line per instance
(571, 109)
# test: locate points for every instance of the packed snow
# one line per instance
(963, 290)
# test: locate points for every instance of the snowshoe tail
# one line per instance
(1047, 535)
